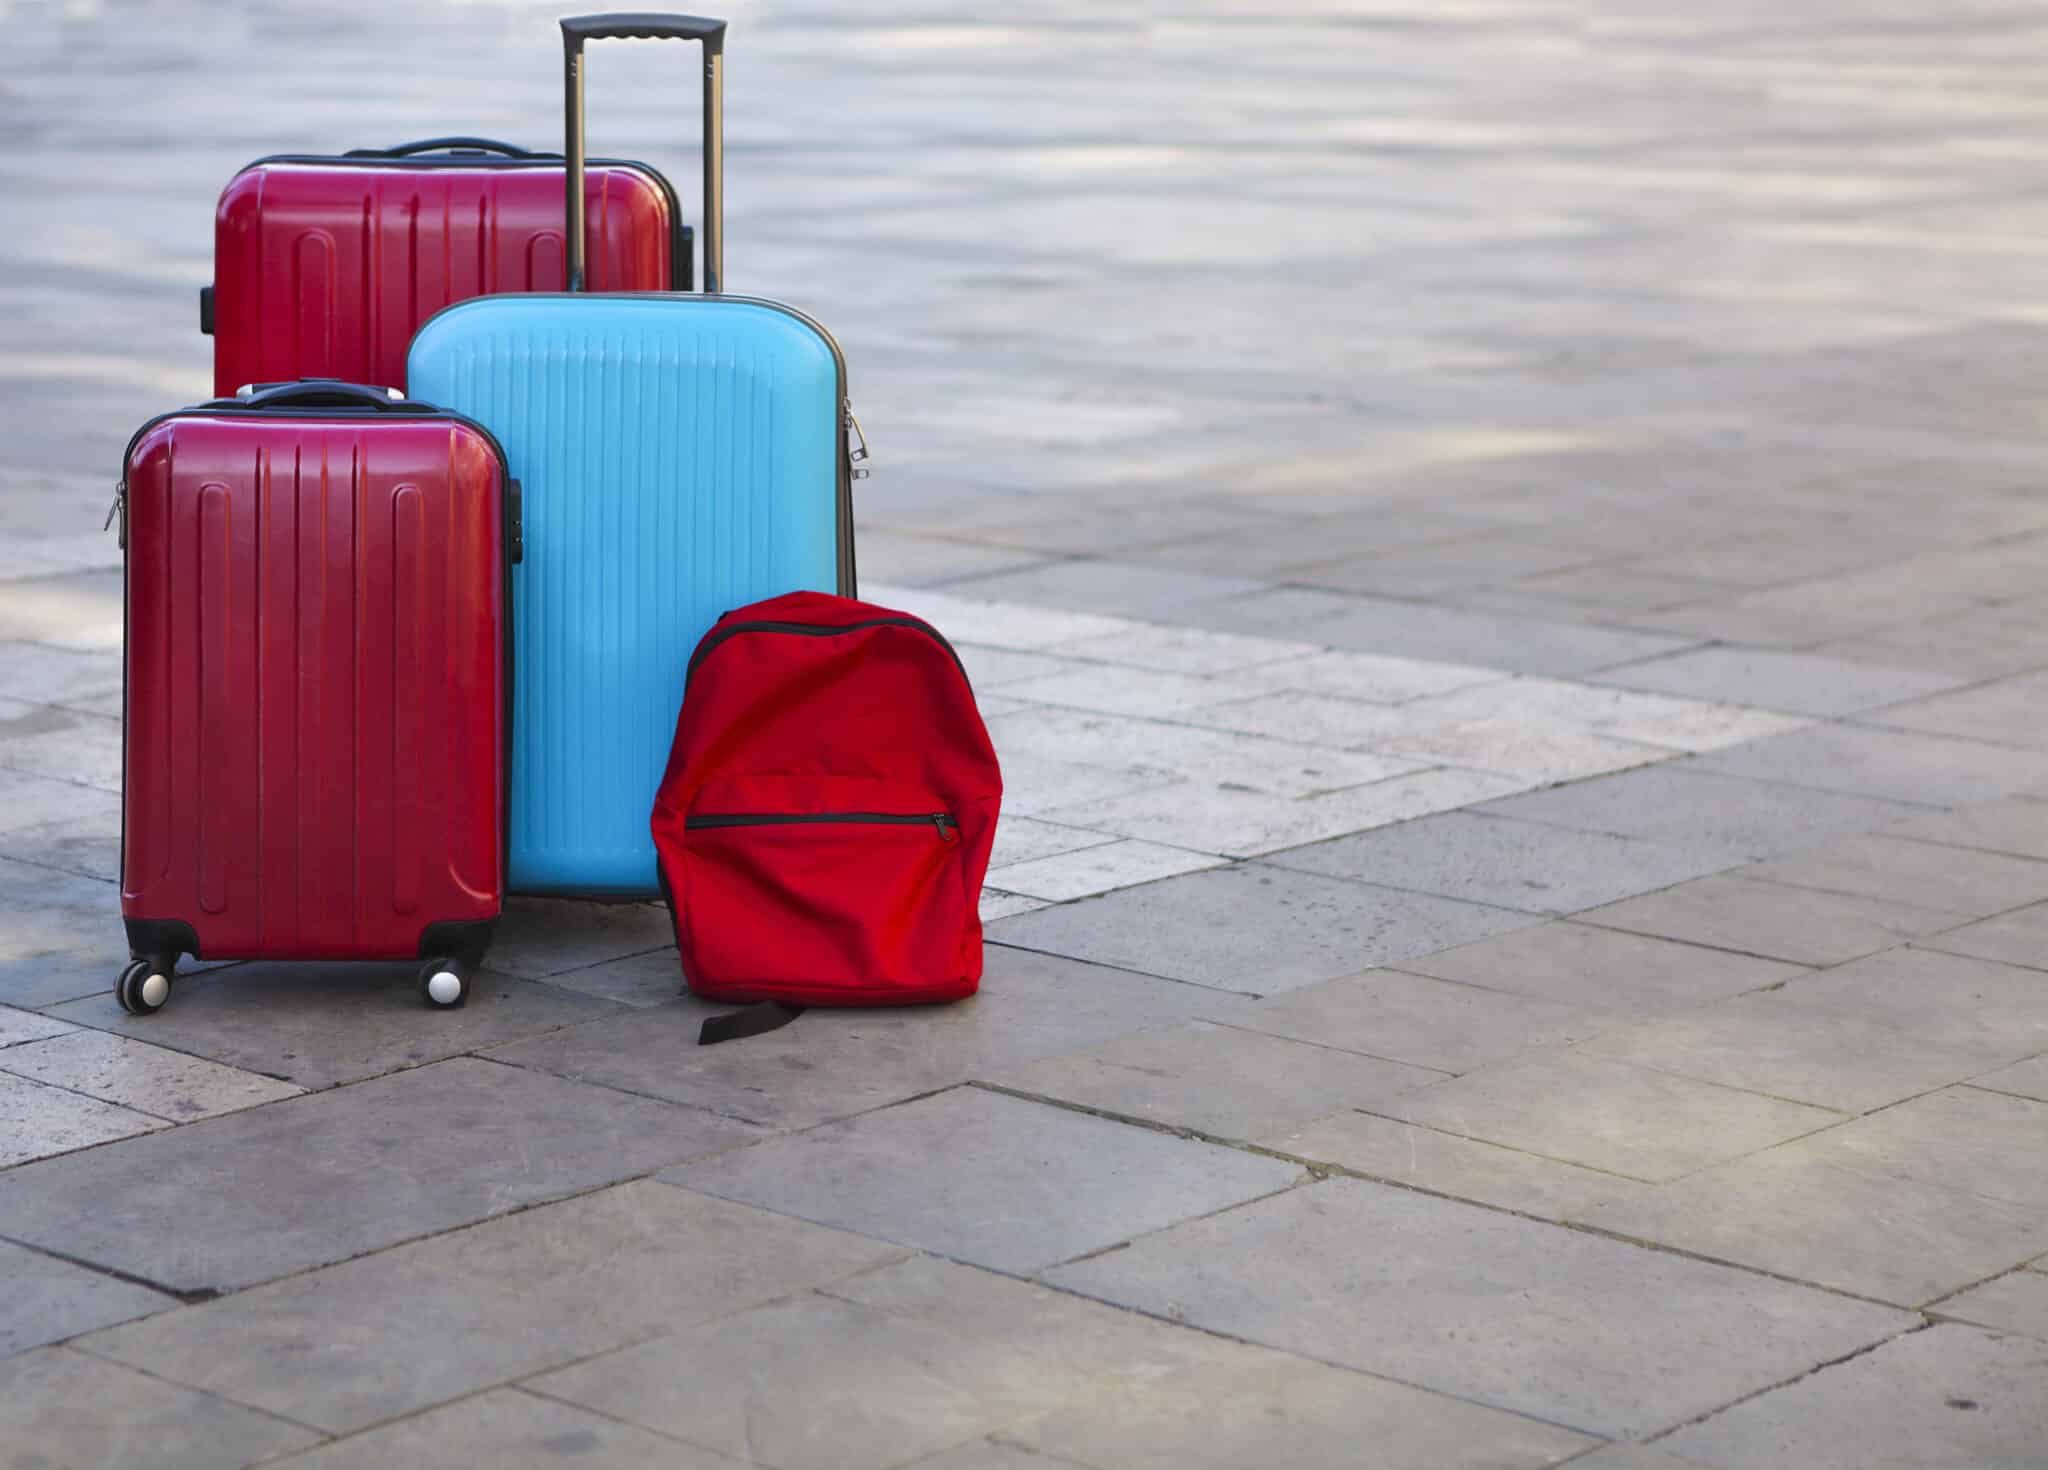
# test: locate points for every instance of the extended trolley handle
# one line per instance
(578, 29)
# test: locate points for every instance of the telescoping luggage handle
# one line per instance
(578, 29)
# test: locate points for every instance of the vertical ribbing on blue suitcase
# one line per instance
(681, 455)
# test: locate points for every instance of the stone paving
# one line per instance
(1500, 543)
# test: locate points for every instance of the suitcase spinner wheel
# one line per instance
(444, 982)
(146, 984)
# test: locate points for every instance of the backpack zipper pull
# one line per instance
(856, 455)
(949, 830)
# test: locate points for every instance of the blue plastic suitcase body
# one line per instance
(681, 455)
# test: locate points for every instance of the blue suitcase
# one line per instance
(681, 455)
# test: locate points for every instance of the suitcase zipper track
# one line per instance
(811, 630)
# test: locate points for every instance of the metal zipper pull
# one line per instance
(860, 453)
(949, 830)
(118, 508)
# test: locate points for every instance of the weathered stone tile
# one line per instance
(1650, 719)
(62, 938)
(509, 1426)
(1961, 1138)
(87, 844)
(1632, 1457)
(1186, 650)
(1444, 1163)
(1098, 870)
(1952, 1395)
(831, 1064)
(29, 803)
(1143, 693)
(990, 1453)
(59, 1407)
(150, 1079)
(993, 668)
(1242, 762)
(1799, 683)
(1685, 805)
(307, 1181)
(917, 561)
(41, 674)
(969, 619)
(1171, 1077)
(1378, 678)
(998, 905)
(1943, 1001)
(61, 745)
(538, 937)
(2016, 1302)
(1607, 1115)
(1511, 864)
(2022, 1079)
(2008, 711)
(37, 1120)
(1897, 765)
(394, 1332)
(1035, 785)
(43, 1299)
(651, 979)
(1026, 1185)
(2016, 938)
(1253, 929)
(1416, 1019)
(2016, 825)
(1467, 1301)
(19, 1026)
(1241, 823)
(1534, 750)
(1795, 924)
(920, 1386)
(1791, 1212)
(1922, 873)
(1133, 589)
(321, 1025)
(1833, 1056)
(1027, 839)
(1603, 971)
(1301, 715)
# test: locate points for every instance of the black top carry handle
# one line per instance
(578, 29)
(444, 145)
(322, 393)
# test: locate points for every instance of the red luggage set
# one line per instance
(319, 665)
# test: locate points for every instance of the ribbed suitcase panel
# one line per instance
(315, 735)
(679, 457)
(326, 270)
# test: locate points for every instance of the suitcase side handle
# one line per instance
(444, 145)
(578, 29)
(325, 393)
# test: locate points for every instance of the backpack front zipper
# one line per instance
(948, 829)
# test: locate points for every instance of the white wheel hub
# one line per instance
(445, 988)
(155, 991)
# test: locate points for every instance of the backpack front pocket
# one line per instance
(809, 907)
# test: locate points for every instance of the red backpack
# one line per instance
(827, 813)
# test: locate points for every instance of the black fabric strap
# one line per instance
(767, 1015)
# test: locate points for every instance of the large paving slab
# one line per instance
(2007, 711)
(62, 938)
(2016, 938)
(1253, 928)
(1172, 1077)
(1607, 1115)
(43, 1299)
(1509, 864)
(1897, 765)
(1942, 1001)
(1674, 804)
(1801, 683)
(1486, 1306)
(38, 1120)
(996, 1180)
(1961, 1138)
(395, 1332)
(2017, 825)
(1774, 922)
(1604, 970)
(63, 1408)
(2014, 1302)
(321, 1025)
(150, 1079)
(831, 1064)
(1951, 1395)
(1901, 870)
(509, 1427)
(257, 1194)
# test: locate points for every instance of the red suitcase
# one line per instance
(318, 680)
(324, 265)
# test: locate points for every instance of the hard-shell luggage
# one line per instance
(681, 455)
(324, 265)
(827, 814)
(316, 687)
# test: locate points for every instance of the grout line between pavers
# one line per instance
(72, 1345)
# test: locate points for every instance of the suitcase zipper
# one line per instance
(948, 829)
